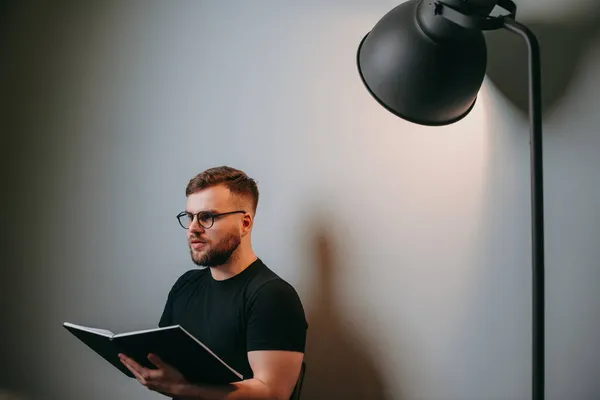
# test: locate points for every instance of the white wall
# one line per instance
(408, 245)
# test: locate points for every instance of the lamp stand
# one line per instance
(509, 23)
(537, 206)
(428, 71)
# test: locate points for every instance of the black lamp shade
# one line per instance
(422, 67)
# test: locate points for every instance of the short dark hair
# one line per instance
(237, 181)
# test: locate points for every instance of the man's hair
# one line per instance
(237, 181)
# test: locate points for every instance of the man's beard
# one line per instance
(218, 255)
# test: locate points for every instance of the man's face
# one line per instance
(214, 246)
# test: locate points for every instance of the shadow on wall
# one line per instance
(339, 365)
(8, 395)
(563, 46)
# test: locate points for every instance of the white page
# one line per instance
(147, 330)
(102, 332)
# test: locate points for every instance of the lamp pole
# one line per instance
(537, 206)
(425, 61)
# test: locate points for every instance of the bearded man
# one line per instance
(238, 307)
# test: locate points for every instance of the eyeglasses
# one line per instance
(205, 219)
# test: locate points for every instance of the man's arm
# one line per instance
(275, 375)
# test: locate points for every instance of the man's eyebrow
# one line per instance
(209, 211)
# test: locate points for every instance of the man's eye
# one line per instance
(204, 217)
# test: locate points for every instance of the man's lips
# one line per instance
(197, 244)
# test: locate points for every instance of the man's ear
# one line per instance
(247, 222)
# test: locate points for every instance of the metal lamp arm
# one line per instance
(476, 22)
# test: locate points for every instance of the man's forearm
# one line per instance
(250, 389)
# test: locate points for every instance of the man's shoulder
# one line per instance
(267, 282)
(274, 304)
(189, 277)
(262, 275)
(195, 273)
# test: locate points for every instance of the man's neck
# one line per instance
(236, 264)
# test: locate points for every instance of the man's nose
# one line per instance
(195, 225)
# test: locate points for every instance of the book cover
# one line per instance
(173, 344)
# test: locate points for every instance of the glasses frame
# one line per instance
(213, 216)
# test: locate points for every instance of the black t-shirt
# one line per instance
(253, 310)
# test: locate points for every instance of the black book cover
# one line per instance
(173, 344)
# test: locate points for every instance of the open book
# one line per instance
(173, 344)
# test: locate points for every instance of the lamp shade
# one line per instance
(421, 66)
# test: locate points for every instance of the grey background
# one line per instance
(409, 246)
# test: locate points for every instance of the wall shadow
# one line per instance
(339, 365)
(563, 45)
(9, 395)
(22, 160)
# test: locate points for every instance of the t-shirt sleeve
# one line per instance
(276, 319)
(166, 318)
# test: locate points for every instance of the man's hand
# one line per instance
(165, 379)
(275, 374)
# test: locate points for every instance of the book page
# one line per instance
(102, 332)
(146, 331)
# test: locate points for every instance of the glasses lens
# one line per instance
(184, 220)
(206, 220)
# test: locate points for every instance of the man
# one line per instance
(238, 307)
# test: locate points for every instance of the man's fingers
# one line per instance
(144, 375)
(131, 362)
(135, 373)
(154, 359)
(154, 379)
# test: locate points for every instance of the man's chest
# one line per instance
(216, 319)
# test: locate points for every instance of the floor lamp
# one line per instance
(425, 62)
